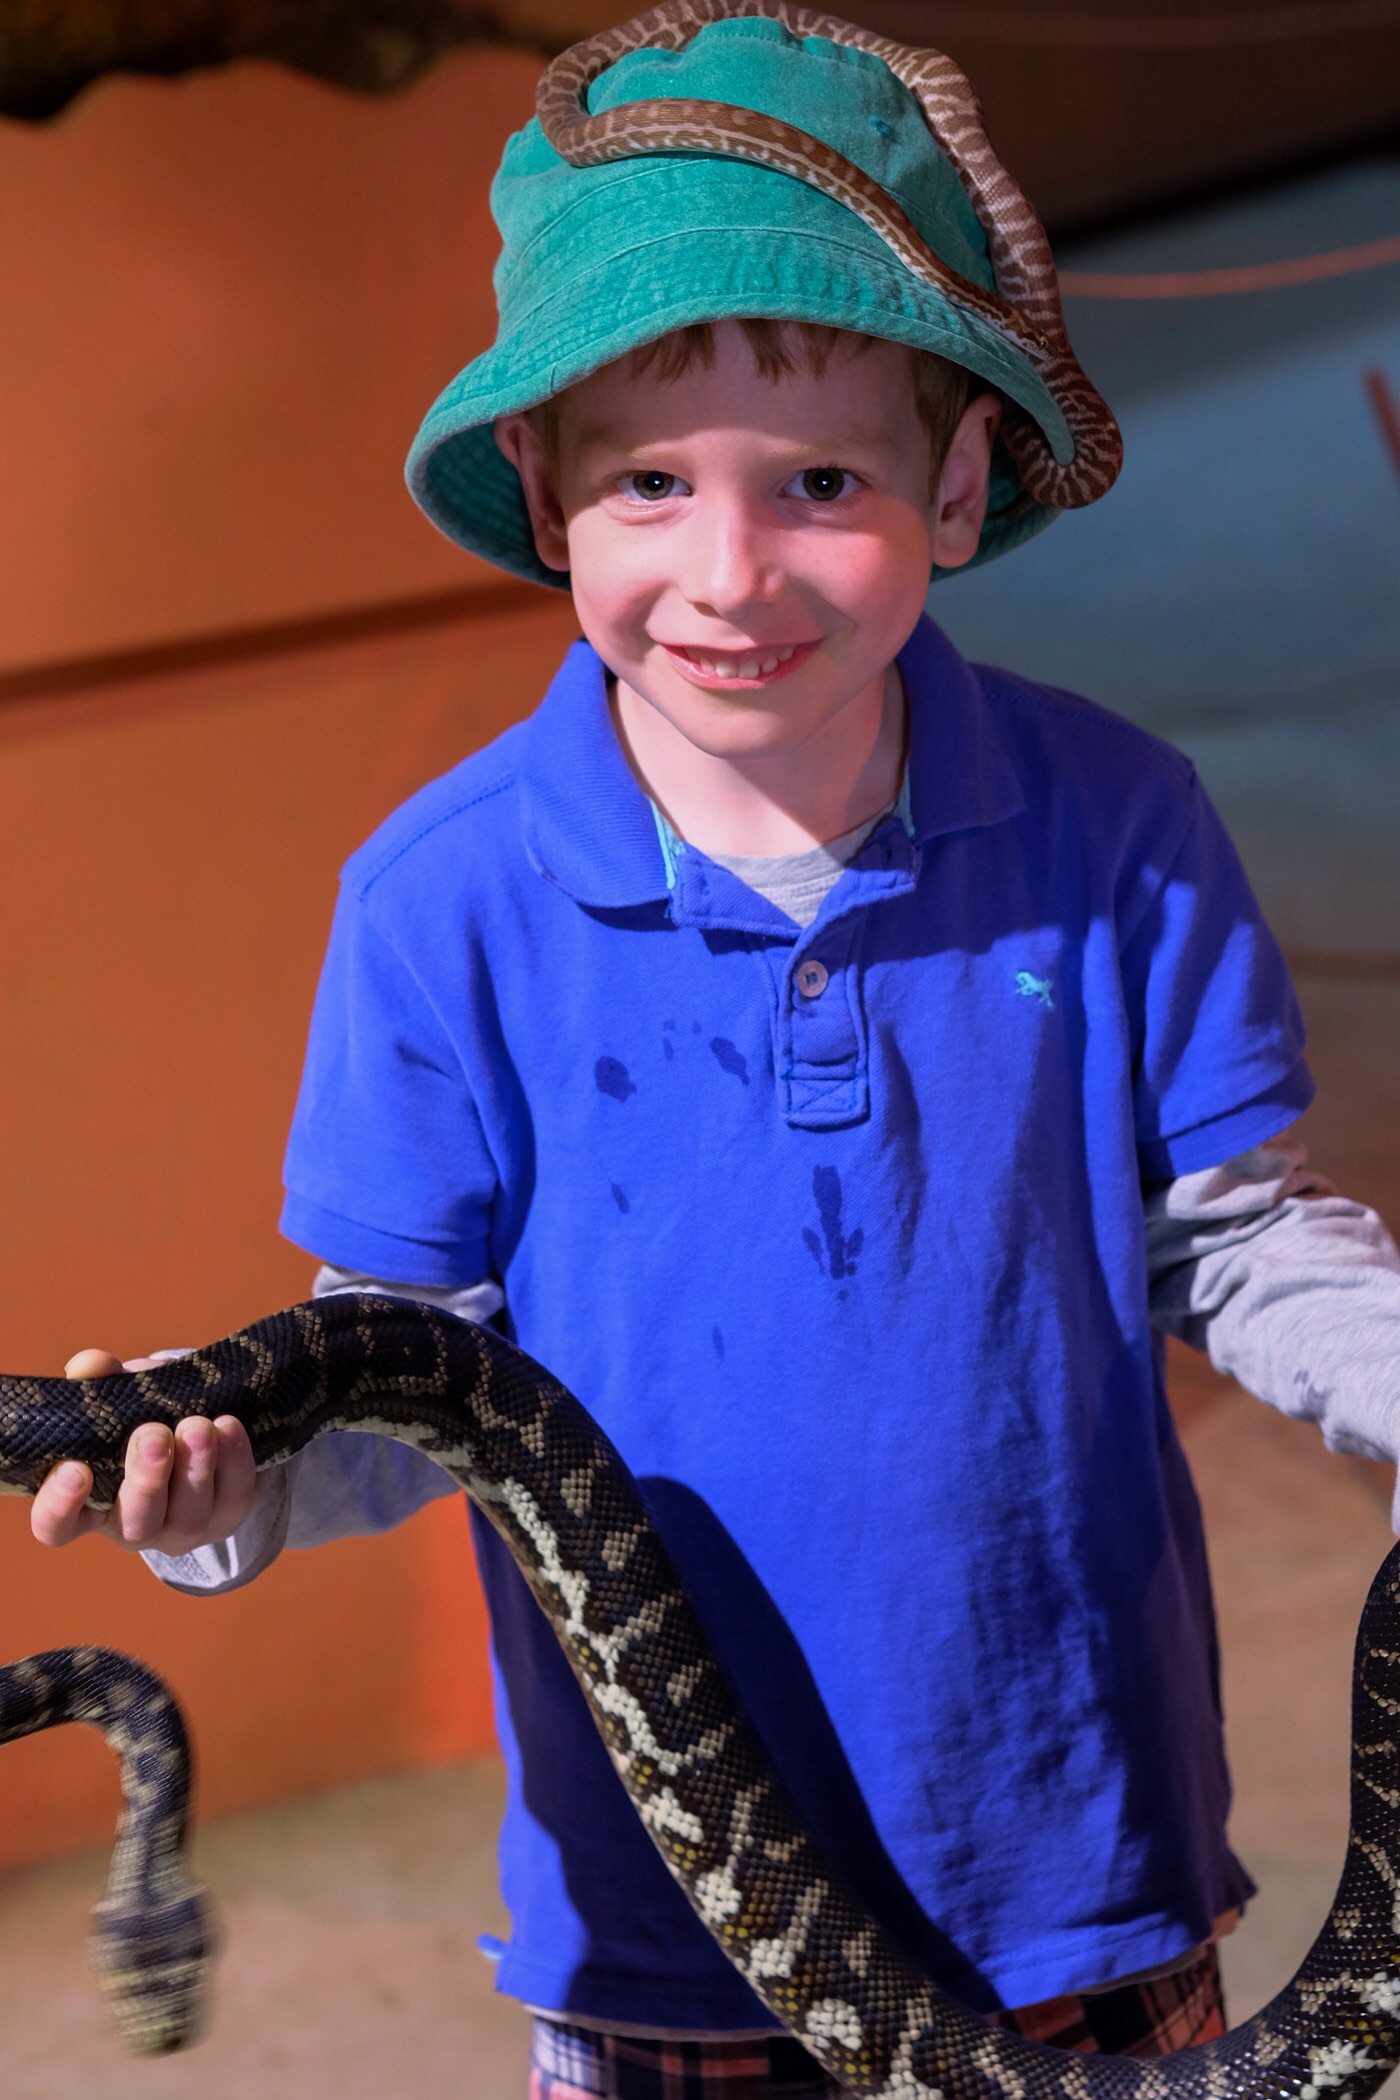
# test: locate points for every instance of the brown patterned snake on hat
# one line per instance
(572, 1516)
(1024, 310)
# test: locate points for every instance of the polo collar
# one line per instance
(589, 827)
(960, 772)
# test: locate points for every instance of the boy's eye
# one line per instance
(649, 485)
(822, 484)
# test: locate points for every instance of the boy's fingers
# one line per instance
(143, 1494)
(194, 1458)
(236, 1479)
(196, 1484)
(92, 1363)
(57, 1515)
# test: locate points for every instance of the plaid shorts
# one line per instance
(1135, 2019)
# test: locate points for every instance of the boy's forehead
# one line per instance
(865, 399)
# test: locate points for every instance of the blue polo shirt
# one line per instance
(839, 1234)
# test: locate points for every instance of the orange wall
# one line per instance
(170, 854)
(229, 299)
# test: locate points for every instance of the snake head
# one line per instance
(150, 1965)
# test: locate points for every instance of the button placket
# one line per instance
(823, 1063)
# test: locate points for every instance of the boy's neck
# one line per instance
(766, 806)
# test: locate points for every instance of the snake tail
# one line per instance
(152, 1934)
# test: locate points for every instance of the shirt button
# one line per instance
(812, 978)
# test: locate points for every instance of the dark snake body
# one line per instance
(152, 1934)
(547, 1478)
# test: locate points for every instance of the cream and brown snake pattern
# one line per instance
(540, 1469)
(1025, 308)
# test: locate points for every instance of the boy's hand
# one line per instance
(182, 1491)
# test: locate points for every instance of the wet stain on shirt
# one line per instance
(717, 1337)
(613, 1078)
(838, 1255)
(619, 1197)
(730, 1059)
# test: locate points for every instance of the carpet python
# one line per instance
(545, 1475)
(1024, 310)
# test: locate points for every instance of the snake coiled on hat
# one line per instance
(1025, 307)
(543, 1473)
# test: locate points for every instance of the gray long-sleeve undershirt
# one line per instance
(1290, 1287)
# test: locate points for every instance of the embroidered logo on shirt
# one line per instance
(1032, 987)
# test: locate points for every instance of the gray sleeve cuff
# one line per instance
(227, 1565)
(1290, 1287)
(479, 1302)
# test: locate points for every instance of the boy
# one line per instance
(833, 1062)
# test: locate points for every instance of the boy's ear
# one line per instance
(960, 501)
(517, 437)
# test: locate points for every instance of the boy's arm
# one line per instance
(343, 1484)
(1290, 1287)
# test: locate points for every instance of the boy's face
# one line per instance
(749, 555)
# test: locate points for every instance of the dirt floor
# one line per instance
(350, 1969)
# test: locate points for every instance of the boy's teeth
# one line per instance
(749, 667)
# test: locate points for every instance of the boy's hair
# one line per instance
(942, 390)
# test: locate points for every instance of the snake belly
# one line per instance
(544, 1474)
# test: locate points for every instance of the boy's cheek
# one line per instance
(598, 550)
(638, 585)
(616, 586)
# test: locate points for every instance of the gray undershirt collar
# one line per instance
(796, 883)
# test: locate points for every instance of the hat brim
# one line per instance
(732, 247)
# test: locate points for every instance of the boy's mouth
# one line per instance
(750, 666)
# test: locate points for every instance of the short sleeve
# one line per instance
(1219, 1062)
(387, 1170)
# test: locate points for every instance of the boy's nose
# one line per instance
(729, 563)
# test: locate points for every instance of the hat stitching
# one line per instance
(645, 168)
(892, 273)
(819, 50)
(876, 260)
(636, 171)
(956, 329)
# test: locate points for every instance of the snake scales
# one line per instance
(541, 1470)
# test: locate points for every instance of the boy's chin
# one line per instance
(736, 727)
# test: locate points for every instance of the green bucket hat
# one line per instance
(716, 159)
